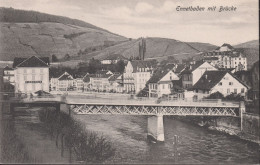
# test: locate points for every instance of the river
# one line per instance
(128, 134)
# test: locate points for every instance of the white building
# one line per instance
(113, 59)
(219, 81)
(31, 74)
(136, 75)
(8, 76)
(79, 84)
(198, 70)
(226, 57)
(65, 82)
(161, 83)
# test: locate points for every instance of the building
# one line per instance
(136, 75)
(116, 83)
(104, 72)
(79, 84)
(113, 59)
(31, 74)
(192, 74)
(161, 83)
(8, 76)
(219, 81)
(226, 57)
(65, 82)
(100, 82)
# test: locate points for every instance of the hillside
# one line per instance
(251, 50)
(250, 44)
(156, 48)
(46, 39)
(24, 16)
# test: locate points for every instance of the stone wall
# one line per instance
(251, 124)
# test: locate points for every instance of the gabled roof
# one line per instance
(158, 75)
(225, 45)
(180, 67)
(211, 58)
(141, 64)
(114, 77)
(65, 77)
(196, 65)
(32, 61)
(210, 78)
(103, 71)
(8, 68)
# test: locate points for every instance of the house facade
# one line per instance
(31, 74)
(100, 82)
(161, 83)
(226, 57)
(219, 81)
(198, 70)
(65, 82)
(136, 75)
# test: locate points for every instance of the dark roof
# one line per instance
(196, 65)
(158, 75)
(65, 77)
(141, 64)
(227, 69)
(225, 44)
(102, 71)
(115, 57)
(32, 61)
(168, 67)
(114, 77)
(8, 68)
(209, 79)
(179, 68)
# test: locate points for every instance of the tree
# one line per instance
(120, 66)
(67, 57)
(216, 95)
(54, 58)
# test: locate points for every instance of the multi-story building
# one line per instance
(226, 57)
(31, 74)
(79, 84)
(65, 82)
(100, 82)
(8, 76)
(161, 83)
(136, 75)
(219, 81)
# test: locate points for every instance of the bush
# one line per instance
(86, 146)
(216, 95)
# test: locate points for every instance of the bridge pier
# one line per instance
(242, 109)
(155, 128)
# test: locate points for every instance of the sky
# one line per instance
(158, 18)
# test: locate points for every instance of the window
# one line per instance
(33, 70)
(242, 90)
(163, 86)
(24, 71)
(220, 84)
(33, 77)
(235, 91)
(169, 86)
(228, 91)
(230, 83)
(170, 77)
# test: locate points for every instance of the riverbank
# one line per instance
(227, 125)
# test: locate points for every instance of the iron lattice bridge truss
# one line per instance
(153, 110)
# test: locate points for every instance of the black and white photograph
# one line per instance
(129, 82)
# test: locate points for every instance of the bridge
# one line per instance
(151, 108)
(154, 111)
